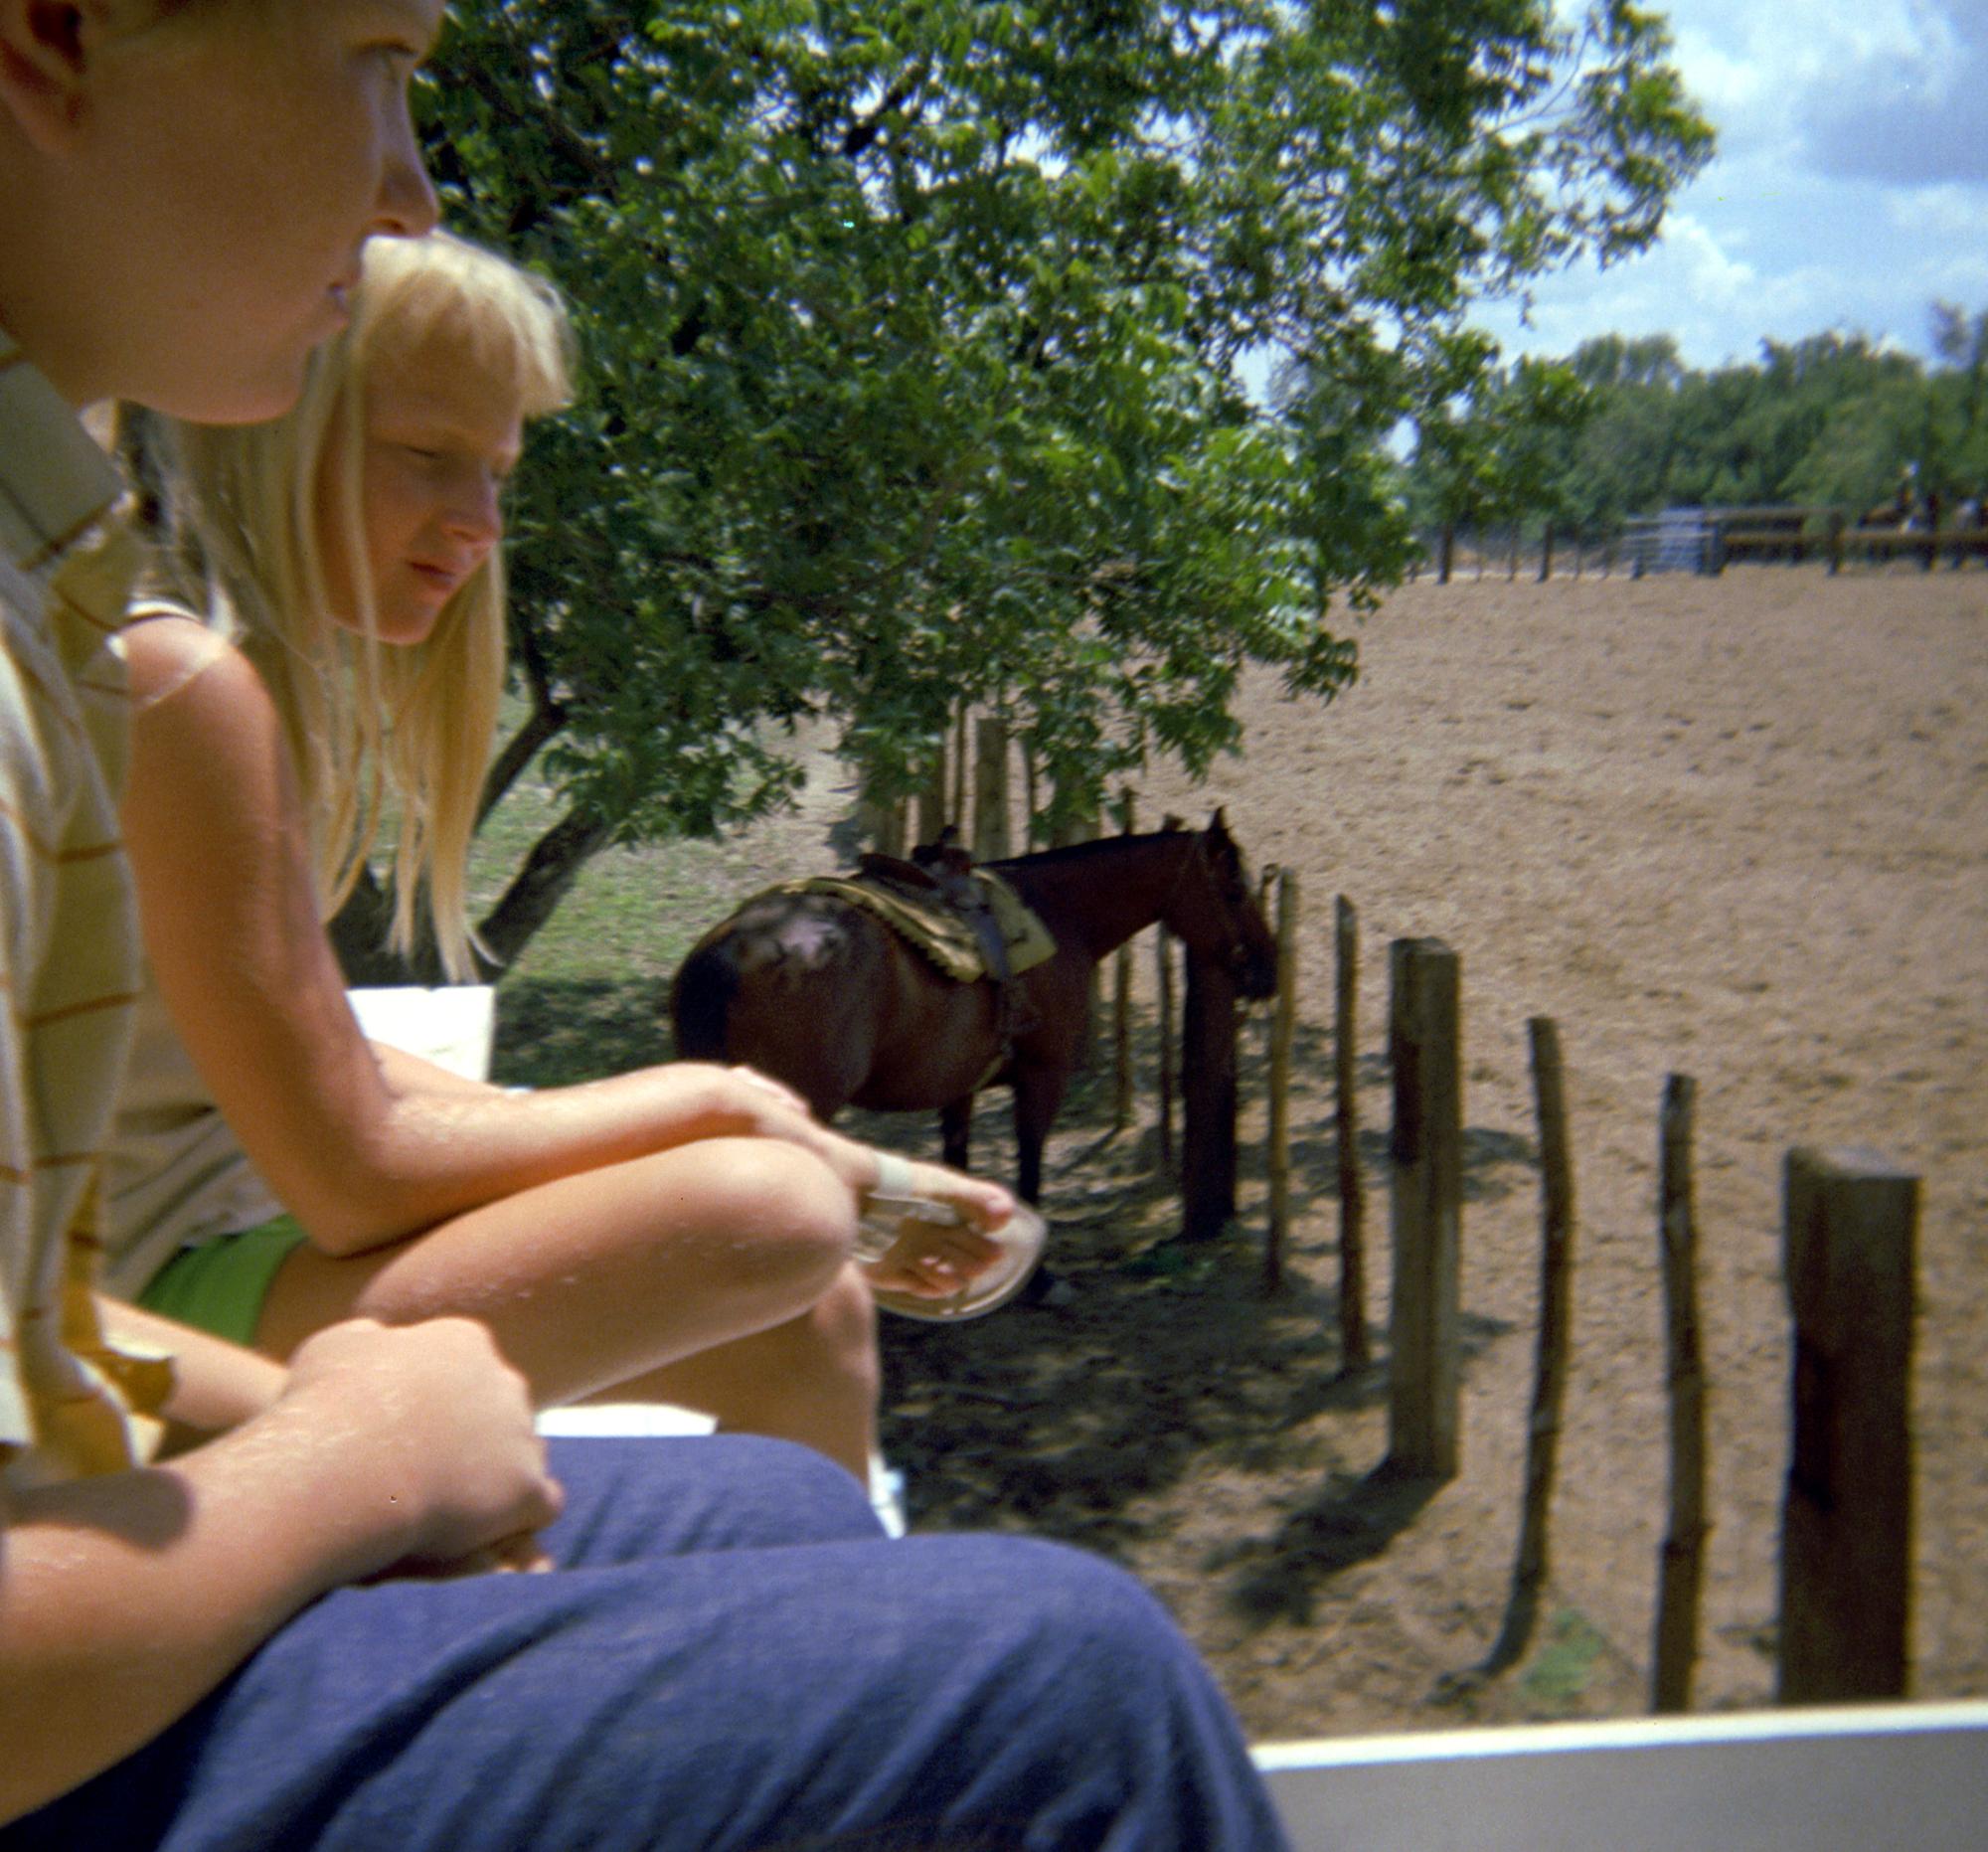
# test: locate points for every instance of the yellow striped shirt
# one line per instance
(68, 938)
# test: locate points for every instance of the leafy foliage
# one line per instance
(916, 341)
(1830, 421)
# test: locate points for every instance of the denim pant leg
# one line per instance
(668, 1495)
(938, 1694)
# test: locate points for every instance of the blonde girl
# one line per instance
(682, 1232)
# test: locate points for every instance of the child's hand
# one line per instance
(452, 1473)
(931, 1260)
(976, 1202)
(739, 1088)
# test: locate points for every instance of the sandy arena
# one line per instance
(1735, 828)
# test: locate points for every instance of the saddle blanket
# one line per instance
(938, 931)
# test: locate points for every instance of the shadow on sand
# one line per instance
(1163, 1360)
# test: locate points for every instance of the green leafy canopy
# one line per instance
(917, 335)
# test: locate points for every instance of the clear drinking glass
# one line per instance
(890, 1211)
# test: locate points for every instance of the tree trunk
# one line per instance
(1353, 1352)
(1530, 1566)
(538, 888)
(1680, 1566)
(549, 715)
(1426, 1194)
(546, 722)
(357, 932)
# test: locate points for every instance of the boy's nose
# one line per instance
(406, 206)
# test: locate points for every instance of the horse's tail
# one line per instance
(701, 1002)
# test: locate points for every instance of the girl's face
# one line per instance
(436, 447)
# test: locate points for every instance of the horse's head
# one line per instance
(1214, 912)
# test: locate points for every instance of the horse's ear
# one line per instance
(1218, 824)
(1170, 822)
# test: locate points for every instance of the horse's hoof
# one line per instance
(1048, 1290)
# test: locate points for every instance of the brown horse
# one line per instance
(821, 994)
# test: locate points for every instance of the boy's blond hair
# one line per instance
(373, 727)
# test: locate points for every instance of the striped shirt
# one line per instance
(69, 939)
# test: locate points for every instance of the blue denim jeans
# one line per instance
(731, 1655)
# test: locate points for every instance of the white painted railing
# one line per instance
(1909, 1776)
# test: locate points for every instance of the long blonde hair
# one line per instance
(372, 727)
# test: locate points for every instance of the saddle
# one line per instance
(967, 921)
(975, 932)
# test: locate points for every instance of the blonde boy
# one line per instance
(142, 149)
(732, 1655)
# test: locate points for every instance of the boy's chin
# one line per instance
(238, 396)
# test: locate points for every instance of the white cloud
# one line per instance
(1851, 187)
(1943, 211)
(1890, 89)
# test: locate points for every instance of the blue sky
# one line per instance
(1849, 191)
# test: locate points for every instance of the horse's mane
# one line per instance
(1079, 851)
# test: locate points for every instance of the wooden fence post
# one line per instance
(1681, 1564)
(1529, 1567)
(1163, 942)
(880, 820)
(1353, 1351)
(962, 736)
(1427, 1151)
(1850, 1230)
(1283, 1027)
(1079, 824)
(928, 805)
(990, 789)
(1207, 1086)
(1122, 1008)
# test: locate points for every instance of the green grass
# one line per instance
(588, 995)
(1561, 1669)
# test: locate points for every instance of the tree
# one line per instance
(916, 337)
(1538, 416)
(1960, 402)
(1618, 462)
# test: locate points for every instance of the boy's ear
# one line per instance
(47, 50)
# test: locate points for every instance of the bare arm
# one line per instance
(216, 1385)
(125, 1599)
(408, 1073)
(363, 1149)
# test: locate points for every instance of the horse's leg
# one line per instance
(1039, 1092)
(956, 1129)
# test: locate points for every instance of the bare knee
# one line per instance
(842, 1330)
(775, 1203)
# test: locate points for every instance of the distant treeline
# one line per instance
(1623, 427)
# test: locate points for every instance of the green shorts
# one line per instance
(220, 1285)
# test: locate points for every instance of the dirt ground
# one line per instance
(1735, 828)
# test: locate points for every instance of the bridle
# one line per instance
(1196, 856)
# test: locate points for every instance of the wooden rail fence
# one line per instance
(1850, 1232)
